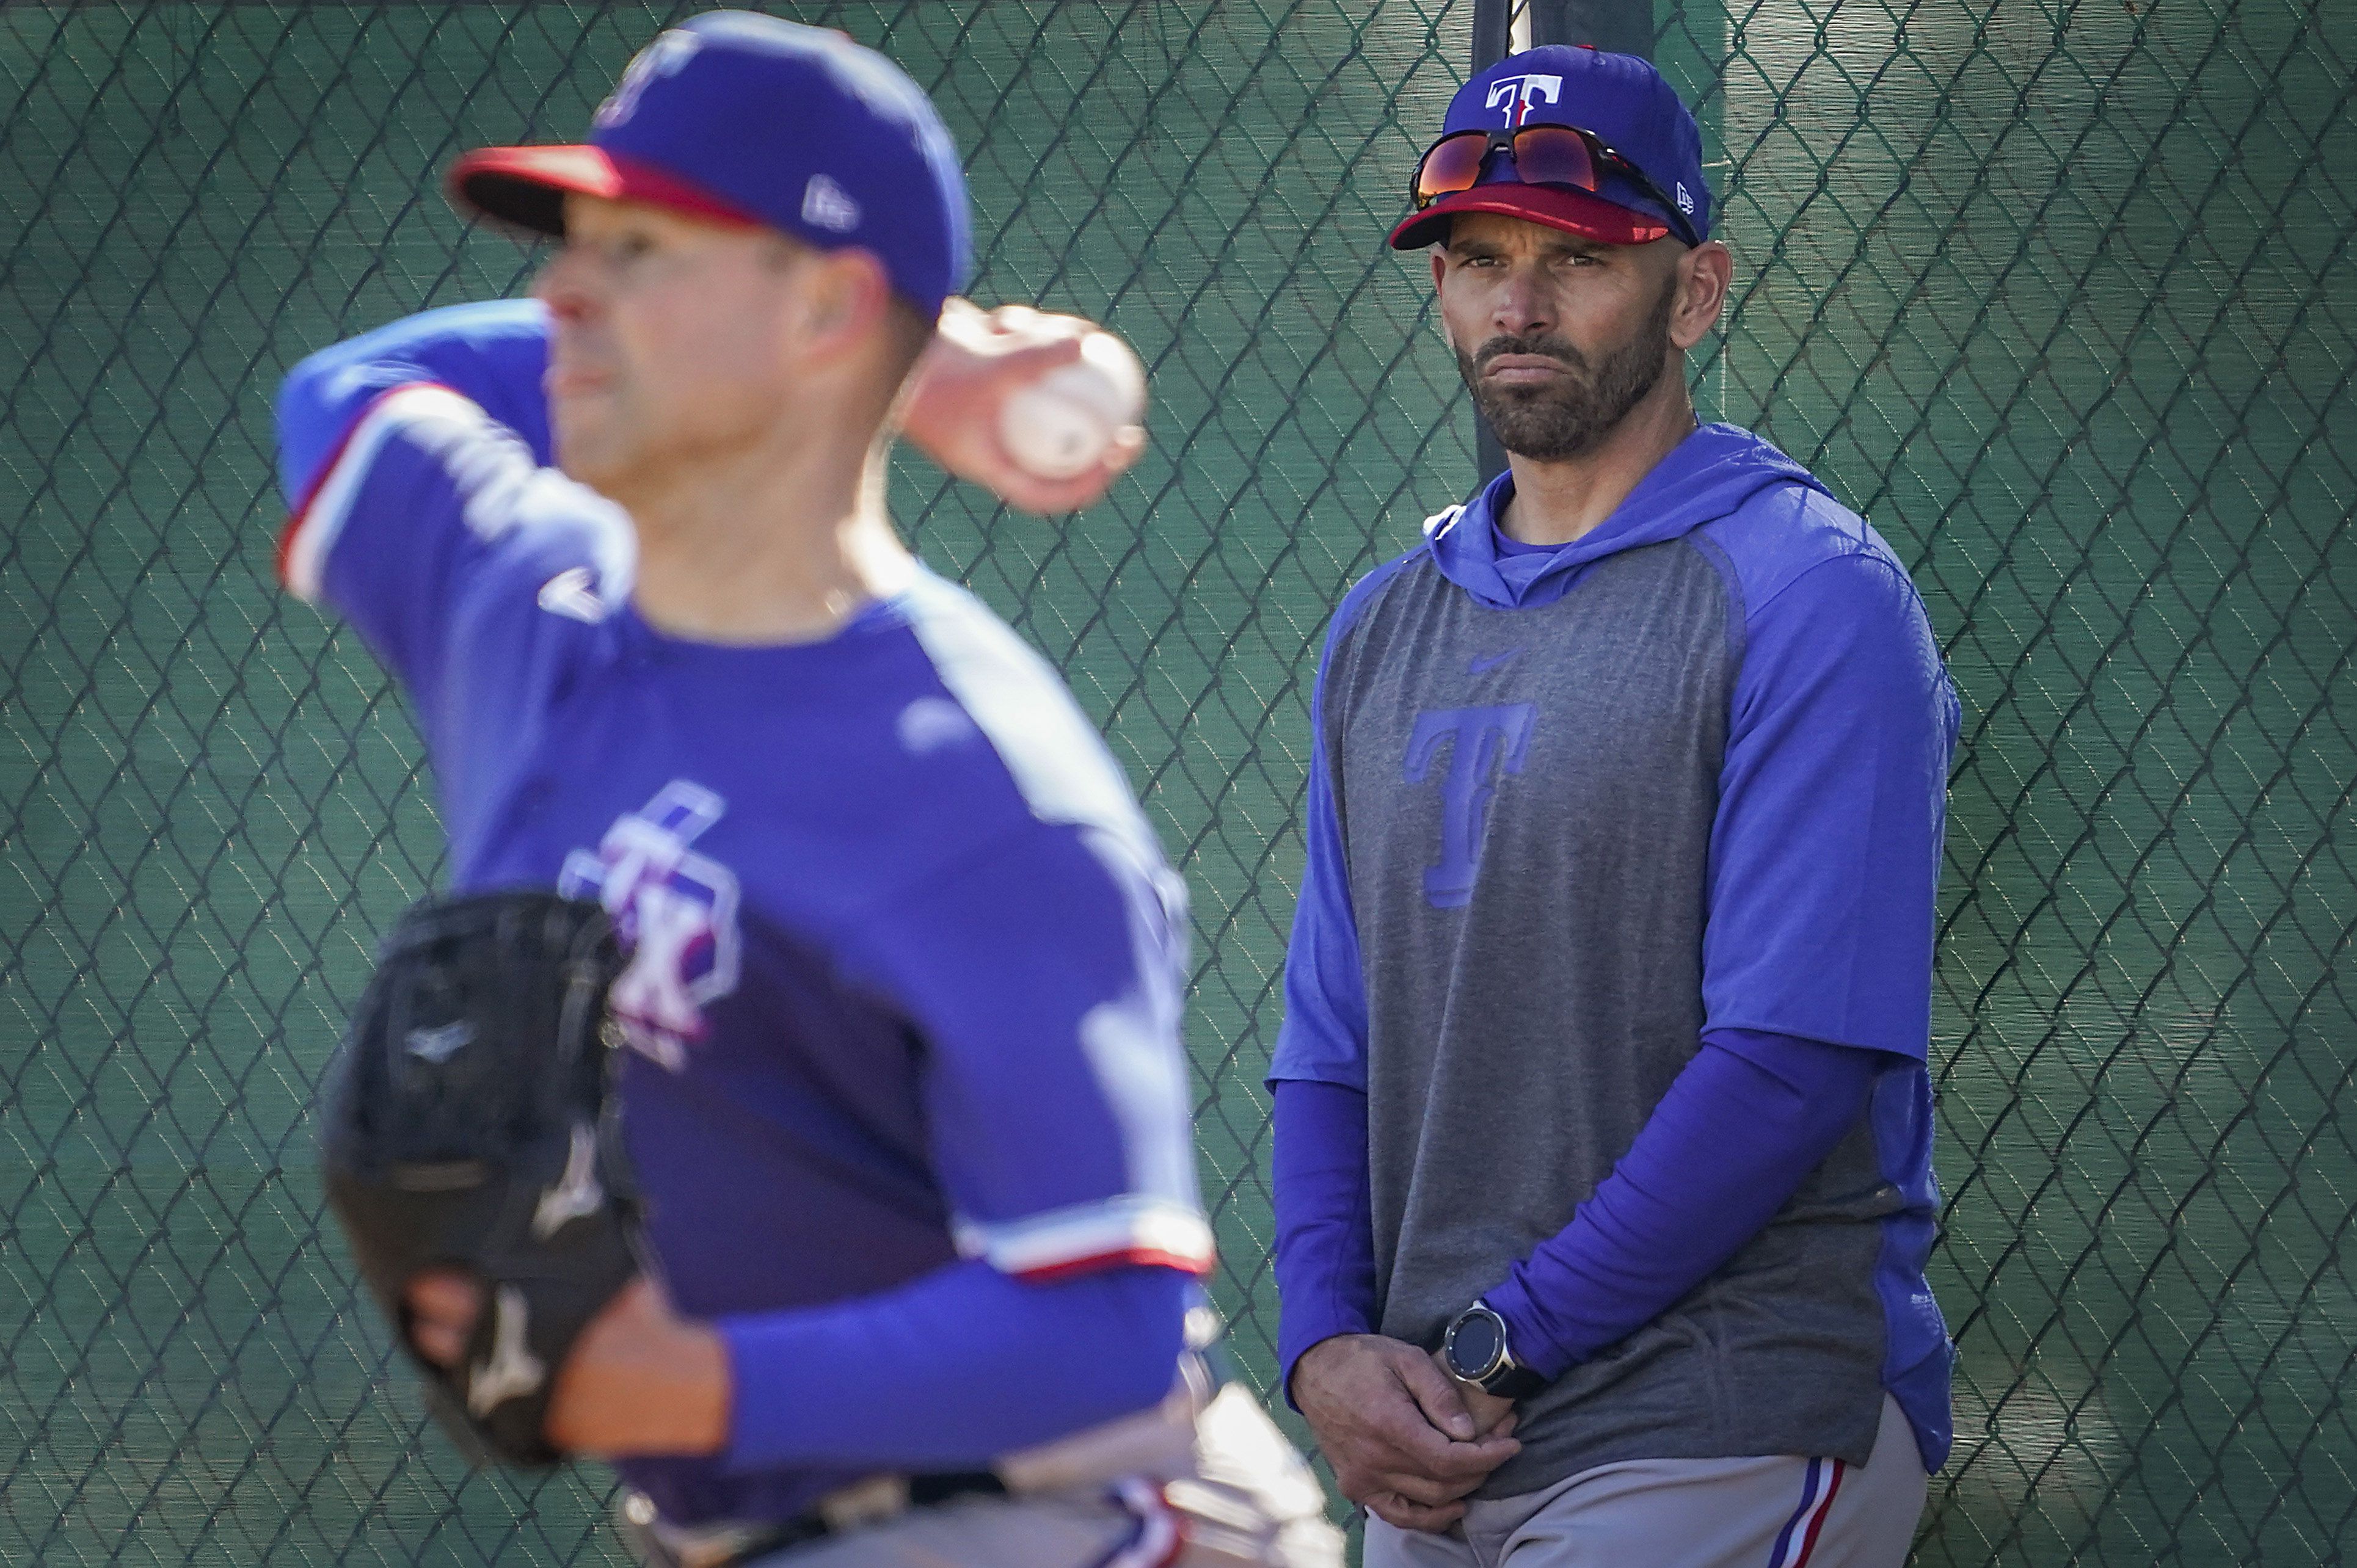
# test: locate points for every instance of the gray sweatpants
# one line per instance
(1691, 1513)
(1234, 1494)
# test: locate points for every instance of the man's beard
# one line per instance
(1564, 418)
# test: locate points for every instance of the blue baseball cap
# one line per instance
(1620, 99)
(742, 118)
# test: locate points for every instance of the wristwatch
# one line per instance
(1476, 1352)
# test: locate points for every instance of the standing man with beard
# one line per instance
(1603, 1128)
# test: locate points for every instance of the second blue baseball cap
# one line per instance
(1619, 99)
(743, 118)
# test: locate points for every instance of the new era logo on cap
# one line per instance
(826, 205)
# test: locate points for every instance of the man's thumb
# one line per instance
(1436, 1395)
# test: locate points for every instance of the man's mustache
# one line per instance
(1538, 343)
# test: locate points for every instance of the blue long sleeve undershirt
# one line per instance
(1741, 1127)
(1325, 1218)
(951, 1370)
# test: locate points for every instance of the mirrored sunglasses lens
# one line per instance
(1451, 165)
(1553, 155)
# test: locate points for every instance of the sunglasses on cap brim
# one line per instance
(1542, 154)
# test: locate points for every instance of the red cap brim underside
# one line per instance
(525, 187)
(1553, 205)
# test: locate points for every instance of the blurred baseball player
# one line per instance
(1603, 1128)
(904, 1087)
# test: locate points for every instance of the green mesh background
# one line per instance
(2060, 294)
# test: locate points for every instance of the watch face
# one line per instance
(1474, 1345)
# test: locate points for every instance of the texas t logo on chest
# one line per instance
(1481, 743)
(674, 911)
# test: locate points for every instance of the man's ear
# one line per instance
(845, 297)
(1440, 271)
(1705, 274)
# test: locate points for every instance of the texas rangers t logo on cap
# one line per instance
(1516, 93)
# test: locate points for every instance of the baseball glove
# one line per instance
(470, 1127)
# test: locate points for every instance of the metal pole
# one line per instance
(1624, 26)
(1492, 28)
(1492, 40)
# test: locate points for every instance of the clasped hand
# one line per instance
(1408, 1441)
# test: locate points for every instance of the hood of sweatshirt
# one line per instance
(1709, 475)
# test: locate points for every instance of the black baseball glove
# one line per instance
(470, 1127)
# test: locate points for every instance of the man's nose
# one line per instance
(565, 285)
(1524, 303)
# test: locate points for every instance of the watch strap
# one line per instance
(1512, 1382)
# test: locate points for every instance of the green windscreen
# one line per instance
(2059, 295)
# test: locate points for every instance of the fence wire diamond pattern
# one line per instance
(2060, 294)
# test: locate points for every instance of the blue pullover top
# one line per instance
(1609, 989)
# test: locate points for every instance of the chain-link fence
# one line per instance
(2060, 294)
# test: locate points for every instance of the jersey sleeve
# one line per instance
(1324, 1036)
(1743, 1125)
(1825, 848)
(1325, 1256)
(492, 352)
(1044, 975)
(408, 487)
(943, 1372)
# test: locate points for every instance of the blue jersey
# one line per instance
(904, 959)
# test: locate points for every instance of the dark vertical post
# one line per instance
(1492, 35)
(1493, 26)
(1624, 26)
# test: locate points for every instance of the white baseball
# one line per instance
(1059, 426)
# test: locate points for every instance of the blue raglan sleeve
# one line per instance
(1325, 1258)
(1043, 973)
(1833, 799)
(414, 458)
(952, 1369)
(1741, 1127)
(1324, 1036)
(493, 353)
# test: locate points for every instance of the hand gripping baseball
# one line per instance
(984, 362)
(471, 1129)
